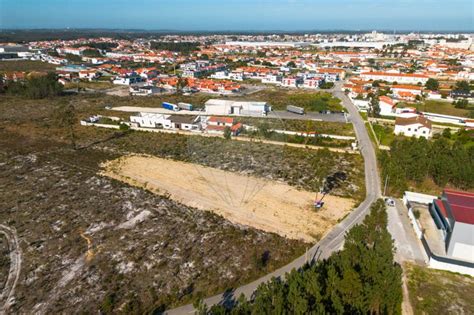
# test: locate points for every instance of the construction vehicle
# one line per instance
(319, 203)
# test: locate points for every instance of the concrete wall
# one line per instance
(417, 197)
(436, 264)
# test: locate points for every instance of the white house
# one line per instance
(272, 79)
(127, 80)
(144, 90)
(311, 83)
(387, 106)
(417, 126)
(185, 122)
(291, 82)
(228, 107)
(218, 124)
(88, 74)
(151, 120)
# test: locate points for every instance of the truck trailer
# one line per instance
(170, 106)
(185, 106)
(295, 109)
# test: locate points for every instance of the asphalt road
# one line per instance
(334, 240)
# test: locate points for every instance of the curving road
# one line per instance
(6, 295)
(334, 240)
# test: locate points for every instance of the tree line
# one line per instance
(35, 87)
(360, 279)
(443, 160)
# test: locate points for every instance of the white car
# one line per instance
(390, 202)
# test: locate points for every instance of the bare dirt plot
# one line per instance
(266, 205)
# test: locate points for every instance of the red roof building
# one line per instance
(454, 215)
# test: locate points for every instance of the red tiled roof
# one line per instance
(401, 121)
(386, 99)
(462, 205)
(227, 120)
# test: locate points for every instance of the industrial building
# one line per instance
(228, 107)
(453, 213)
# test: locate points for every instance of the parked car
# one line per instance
(389, 202)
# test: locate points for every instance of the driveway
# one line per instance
(408, 246)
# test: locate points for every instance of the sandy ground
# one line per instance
(262, 204)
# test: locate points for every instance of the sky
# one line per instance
(244, 15)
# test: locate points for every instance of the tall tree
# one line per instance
(432, 84)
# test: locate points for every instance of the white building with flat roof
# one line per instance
(228, 107)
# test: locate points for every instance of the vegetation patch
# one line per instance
(439, 292)
(444, 161)
(360, 279)
(26, 66)
(310, 101)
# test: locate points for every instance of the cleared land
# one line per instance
(149, 251)
(439, 292)
(262, 204)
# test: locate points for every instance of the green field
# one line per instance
(310, 101)
(384, 134)
(439, 292)
(25, 65)
(441, 107)
(325, 127)
(94, 85)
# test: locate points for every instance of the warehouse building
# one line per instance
(239, 108)
(453, 213)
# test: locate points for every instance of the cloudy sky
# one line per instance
(289, 15)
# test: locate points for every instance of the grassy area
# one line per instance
(94, 85)
(371, 134)
(310, 101)
(441, 107)
(25, 65)
(384, 134)
(439, 292)
(322, 127)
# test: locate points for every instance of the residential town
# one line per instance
(166, 168)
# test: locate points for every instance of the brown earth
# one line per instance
(266, 205)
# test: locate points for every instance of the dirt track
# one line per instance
(7, 295)
(262, 204)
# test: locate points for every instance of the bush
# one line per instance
(417, 214)
(327, 85)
